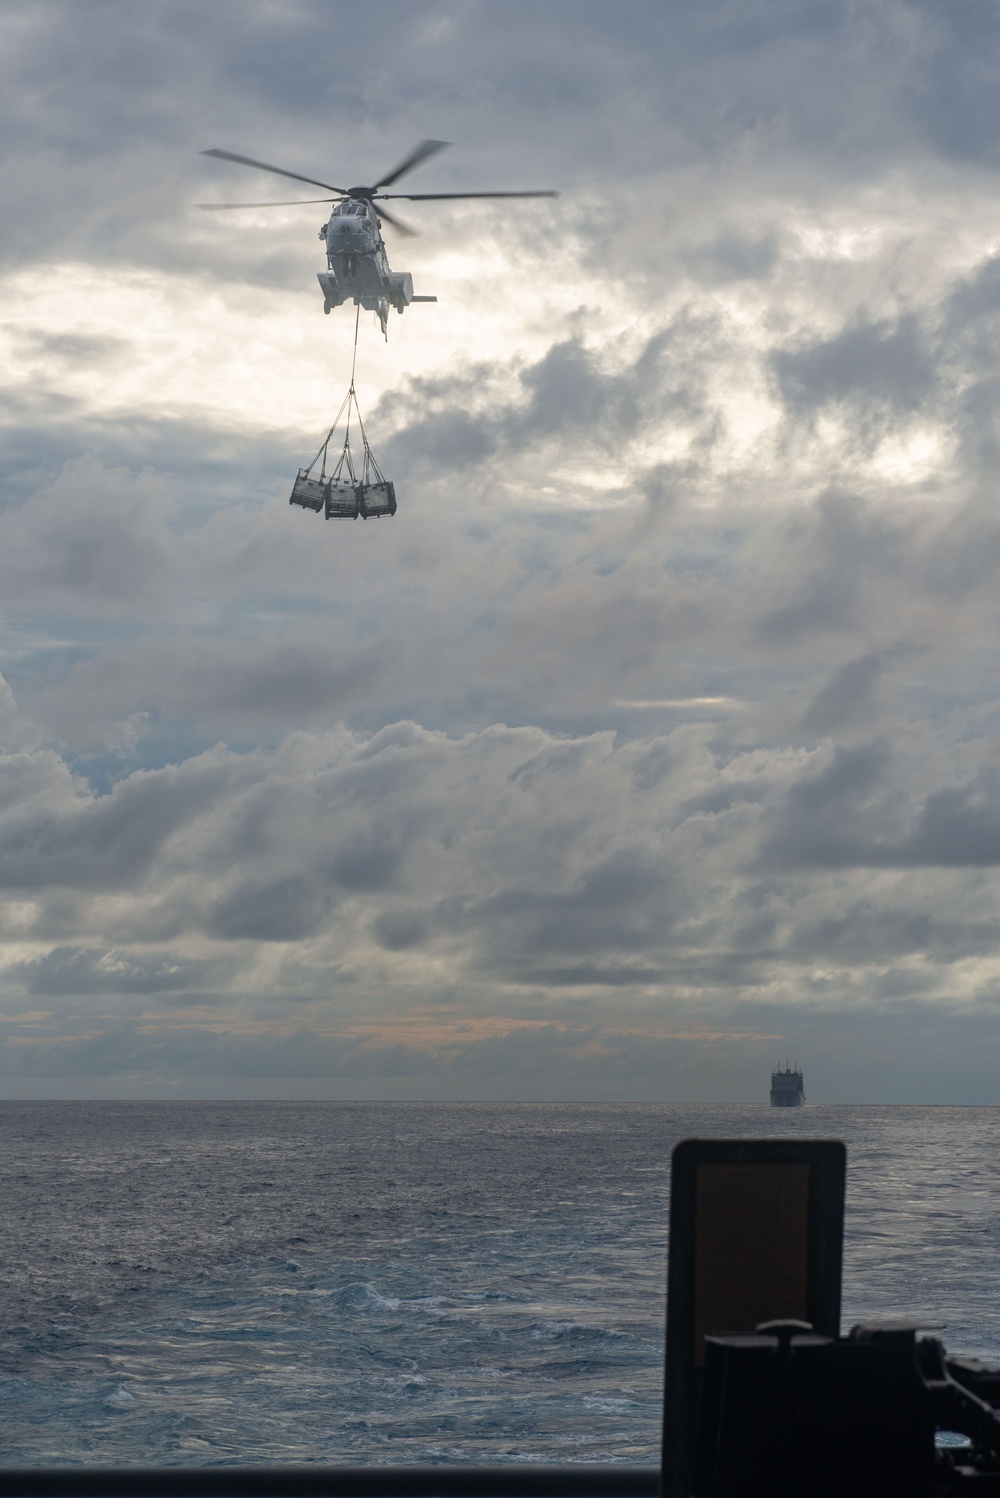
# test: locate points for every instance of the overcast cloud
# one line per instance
(655, 739)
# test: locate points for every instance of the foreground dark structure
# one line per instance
(762, 1394)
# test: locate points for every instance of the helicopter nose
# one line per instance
(347, 227)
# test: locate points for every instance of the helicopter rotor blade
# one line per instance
(428, 197)
(397, 223)
(266, 167)
(291, 203)
(420, 153)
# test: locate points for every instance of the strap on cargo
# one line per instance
(371, 473)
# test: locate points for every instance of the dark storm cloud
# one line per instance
(399, 929)
(281, 910)
(866, 933)
(95, 534)
(622, 903)
(489, 855)
(70, 838)
(733, 256)
(571, 392)
(248, 685)
(838, 554)
(939, 363)
(959, 825)
(67, 971)
(970, 324)
(949, 94)
(854, 814)
(848, 697)
(885, 364)
(971, 307)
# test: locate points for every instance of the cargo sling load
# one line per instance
(343, 495)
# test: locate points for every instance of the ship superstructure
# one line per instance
(786, 1088)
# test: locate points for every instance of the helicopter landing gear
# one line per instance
(326, 308)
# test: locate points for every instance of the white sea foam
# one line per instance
(364, 1297)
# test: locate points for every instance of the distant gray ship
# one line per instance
(786, 1088)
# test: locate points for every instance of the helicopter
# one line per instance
(357, 262)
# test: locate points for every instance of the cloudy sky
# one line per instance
(655, 739)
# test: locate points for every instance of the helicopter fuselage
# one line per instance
(358, 266)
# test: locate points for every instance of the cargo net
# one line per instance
(343, 493)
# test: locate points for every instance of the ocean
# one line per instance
(190, 1282)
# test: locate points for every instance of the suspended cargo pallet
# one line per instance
(307, 492)
(343, 499)
(377, 499)
(344, 494)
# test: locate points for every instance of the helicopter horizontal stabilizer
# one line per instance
(423, 298)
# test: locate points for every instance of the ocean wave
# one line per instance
(362, 1297)
(574, 1331)
(607, 1405)
(402, 1336)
